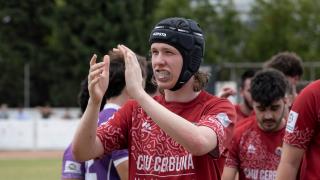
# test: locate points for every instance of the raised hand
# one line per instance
(133, 75)
(98, 78)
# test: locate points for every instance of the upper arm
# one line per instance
(98, 148)
(229, 173)
(123, 169)
(290, 162)
(209, 138)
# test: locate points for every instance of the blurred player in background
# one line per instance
(115, 165)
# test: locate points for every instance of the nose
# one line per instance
(267, 115)
(158, 59)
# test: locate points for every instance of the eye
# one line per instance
(168, 52)
(274, 108)
(154, 52)
(261, 109)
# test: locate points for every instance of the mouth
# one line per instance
(162, 75)
(268, 122)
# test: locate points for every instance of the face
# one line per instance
(167, 64)
(293, 80)
(271, 118)
(245, 93)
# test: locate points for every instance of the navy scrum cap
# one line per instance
(187, 37)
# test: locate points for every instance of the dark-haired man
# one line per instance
(256, 146)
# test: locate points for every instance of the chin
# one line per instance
(162, 85)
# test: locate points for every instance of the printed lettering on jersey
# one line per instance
(223, 119)
(164, 164)
(292, 119)
(72, 167)
(262, 174)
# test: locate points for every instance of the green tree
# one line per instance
(284, 25)
(220, 22)
(81, 28)
(21, 36)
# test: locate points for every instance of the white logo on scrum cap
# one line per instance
(159, 34)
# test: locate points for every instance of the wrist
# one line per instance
(140, 95)
(93, 102)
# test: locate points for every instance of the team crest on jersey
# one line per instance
(251, 149)
(278, 151)
(292, 119)
(223, 119)
(72, 167)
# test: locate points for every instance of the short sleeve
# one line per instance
(113, 133)
(220, 119)
(303, 118)
(232, 160)
(119, 156)
(71, 169)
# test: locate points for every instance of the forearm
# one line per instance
(287, 171)
(197, 140)
(290, 162)
(83, 145)
(229, 173)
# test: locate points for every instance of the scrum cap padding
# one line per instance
(187, 37)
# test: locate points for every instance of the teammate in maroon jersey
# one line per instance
(302, 137)
(256, 146)
(178, 135)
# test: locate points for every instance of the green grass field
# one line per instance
(30, 169)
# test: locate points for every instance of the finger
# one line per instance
(115, 50)
(106, 60)
(93, 82)
(126, 48)
(93, 60)
(122, 50)
(95, 73)
(96, 66)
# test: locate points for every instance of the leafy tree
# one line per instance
(21, 36)
(220, 22)
(284, 25)
(81, 28)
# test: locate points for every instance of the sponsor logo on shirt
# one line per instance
(251, 149)
(292, 119)
(146, 126)
(223, 119)
(72, 167)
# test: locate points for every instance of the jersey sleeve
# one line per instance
(119, 156)
(303, 117)
(232, 154)
(220, 118)
(113, 133)
(71, 169)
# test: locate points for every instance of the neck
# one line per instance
(118, 100)
(184, 94)
(245, 109)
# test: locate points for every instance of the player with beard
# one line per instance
(256, 146)
(244, 109)
(180, 134)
